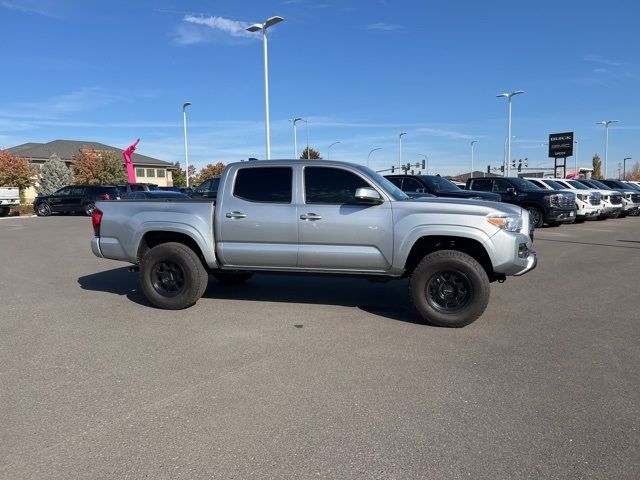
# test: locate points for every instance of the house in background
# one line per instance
(148, 169)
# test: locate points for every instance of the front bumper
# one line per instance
(561, 215)
(513, 253)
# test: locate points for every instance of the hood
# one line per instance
(471, 194)
(461, 205)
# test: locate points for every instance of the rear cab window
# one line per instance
(481, 184)
(264, 184)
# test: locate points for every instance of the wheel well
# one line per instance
(426, 245)
(153, 239)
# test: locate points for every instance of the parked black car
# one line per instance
(552, 207)
(74, 198)
(438, 186)
(186, 190)
(207, 189)
(155, 195)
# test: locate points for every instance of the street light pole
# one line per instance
(295, 137)
(606, 124)
(186, 150)
(295, 121)
(508, 96)
(624, 168)
(369, 156)
(329, 150)
(254, 28)
(576, 156)
(400, 148)
(473, 142)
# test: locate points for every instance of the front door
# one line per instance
(58, 199)
(256, 223)
(73, 202)
(335, 231)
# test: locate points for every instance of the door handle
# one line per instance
(236, 215)
(310, 216)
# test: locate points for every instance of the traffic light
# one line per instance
(407, 167)
(393, 168)
(488, 168)
(519, 166)
(423, 165)
(502, 168)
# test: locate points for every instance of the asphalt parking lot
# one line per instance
(306, 377)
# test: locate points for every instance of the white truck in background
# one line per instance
(9, 196)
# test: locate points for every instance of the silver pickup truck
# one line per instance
(319, 217)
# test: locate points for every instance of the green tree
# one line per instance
(16, 171)
(312, 154)
(111, 168)
(597, 166)
(179, 176)
(54, 175)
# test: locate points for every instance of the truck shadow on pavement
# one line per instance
(389, 300)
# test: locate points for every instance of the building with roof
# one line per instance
(148, 169)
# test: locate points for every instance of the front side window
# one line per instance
(412, 185)
(501, 186)
(439, 184)
(331, 185)
(204, 186)
(264, 184)
(77, 191)
(483, 185)
(63, 191)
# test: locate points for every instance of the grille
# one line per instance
(635, 197)
(594, 198)
(616, 199)
(564, 201)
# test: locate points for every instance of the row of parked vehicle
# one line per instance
(550, 201)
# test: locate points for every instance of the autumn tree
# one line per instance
(16, 171)
(634, 172)
(208, 171)
(54, 175)
(311, 154)
(92, 167)
(179, 176)
(597, 167)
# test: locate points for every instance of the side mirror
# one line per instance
(511, 191)
(368, 195)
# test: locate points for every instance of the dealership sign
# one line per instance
(561, 145)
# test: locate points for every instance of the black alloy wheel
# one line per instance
(167, 278)
(448, 291)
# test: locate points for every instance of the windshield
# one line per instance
(522, 184)
(554, 185)
(599, 184)
(439, 184)
(577, 185)
(385, 184)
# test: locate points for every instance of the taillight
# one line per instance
(96, 219)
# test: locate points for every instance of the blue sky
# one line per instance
(360, 71)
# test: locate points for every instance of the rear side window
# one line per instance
(267, 184)
(331, 185)
(483, 185)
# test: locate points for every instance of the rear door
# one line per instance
(256, 221)
(338, 233)
(76, 198)
(57, 200)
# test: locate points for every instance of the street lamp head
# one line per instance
(627, 158)
(509, 95)
(402, 133)
(272, 21)
(473, 141)
(185, 105)
(517, 92)
(254, 28)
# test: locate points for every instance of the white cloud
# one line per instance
(385, 27)
(437, 132)
(201, 29)
(603, 61)
(39, 7)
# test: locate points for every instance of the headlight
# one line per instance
(510, 223)
(547, 199)
(582, 197)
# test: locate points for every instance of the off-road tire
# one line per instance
(232, 278)
(194, 276)
(445, 262)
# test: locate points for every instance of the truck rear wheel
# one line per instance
(449, 288)
(172, 276)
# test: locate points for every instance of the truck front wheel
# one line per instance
(449, 288)
(172, 276)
